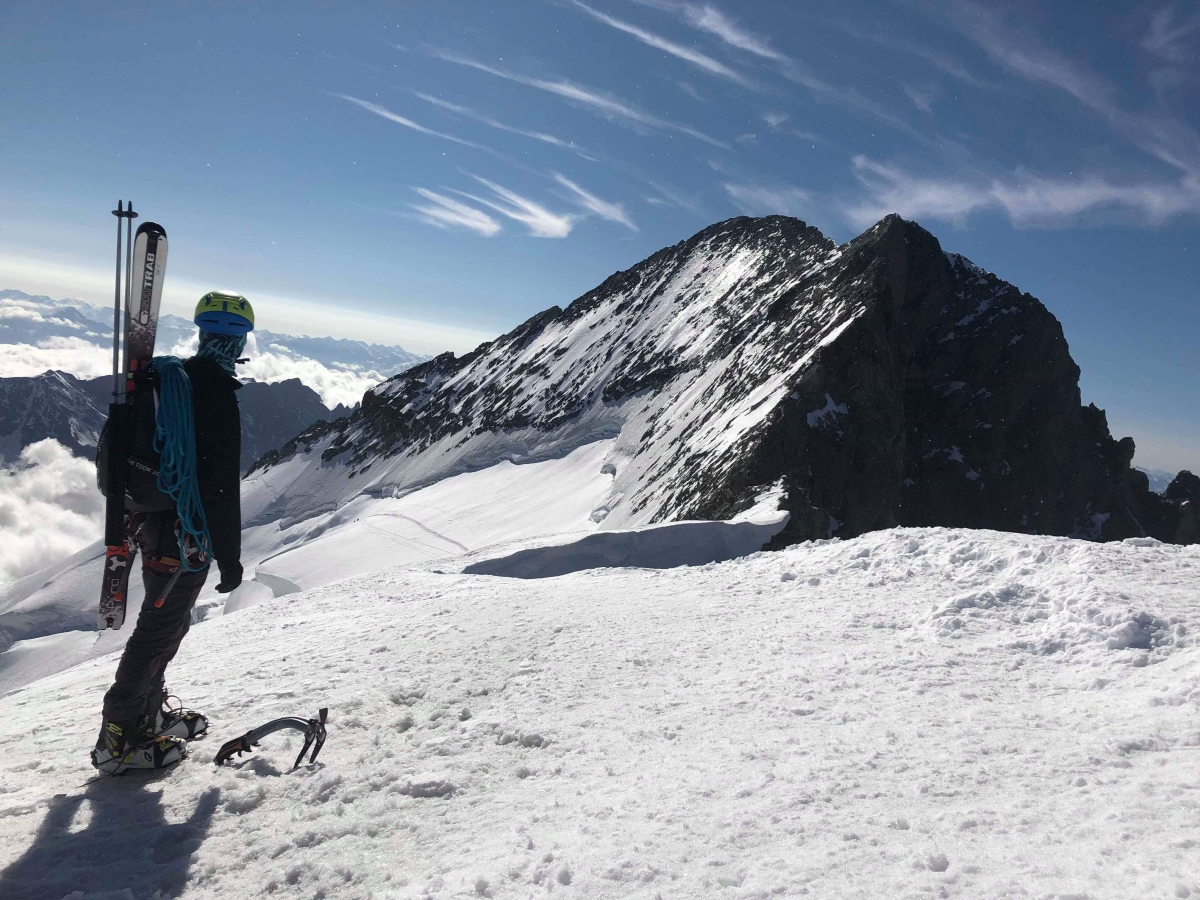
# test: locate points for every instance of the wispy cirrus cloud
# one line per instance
(700, 60)
(1168, 34)
(540, 221)
(778, 122)
(666, 195)
(758, 200)
(469, 113)
(1170, 139)
(447, 213)
(709, 18)
(607, 105)
(1027, 200)
(943, 62)
(385, 113)
(613, 212)
(922, 97)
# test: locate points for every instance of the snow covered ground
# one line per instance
(912, 713)
(47, 620)
(50, 616)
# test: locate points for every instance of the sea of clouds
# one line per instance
(336, 383)
(78, 356)
(38, 333)
(49, 504)
(49, 508)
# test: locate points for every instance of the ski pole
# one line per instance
(119, 212)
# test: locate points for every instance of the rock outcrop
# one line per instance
(878, 383)
(51, 405)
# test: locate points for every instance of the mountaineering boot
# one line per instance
(172, 720)
(124, 746)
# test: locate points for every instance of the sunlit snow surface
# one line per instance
(912, 713)
(505, 504)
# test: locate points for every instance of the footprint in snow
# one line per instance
(531, 739)
(429, 784)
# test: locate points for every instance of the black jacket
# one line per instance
(218, 454)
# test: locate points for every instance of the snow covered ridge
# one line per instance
(882, 382)
(910, 713)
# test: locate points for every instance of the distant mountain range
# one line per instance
(67, 401)
(30, 319)
(1160, 479)
(72, 411)
(876, 383)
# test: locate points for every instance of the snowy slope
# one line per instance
(47, 620)
(457, 515)
(909, 713)
(679, 360)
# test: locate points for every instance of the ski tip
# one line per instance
(152, 228)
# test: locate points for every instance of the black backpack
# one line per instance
(141, 470)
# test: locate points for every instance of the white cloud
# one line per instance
(9, 309)
(409, 123)
(613, 212)
(1027, 200)
(757, 200)
(922, 98)
(49, 508)
(606, 105)
(446, 212)
(497, 124)
(539, 220)
(709, 18)
(81, 358)
(334, 384)
(695, 57)
(1173, 140)
(1167, 37)
(668, 196)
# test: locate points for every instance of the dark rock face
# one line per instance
(963, 410)
(272, 413)
(879, 383)
(51, 405)
(1183, 493)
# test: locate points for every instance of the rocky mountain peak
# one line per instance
(876, 383)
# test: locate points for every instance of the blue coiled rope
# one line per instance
(175, 442)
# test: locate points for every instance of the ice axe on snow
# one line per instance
(313, 730)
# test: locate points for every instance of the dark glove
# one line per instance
(231, 576)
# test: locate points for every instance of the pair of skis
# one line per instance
(145, 269)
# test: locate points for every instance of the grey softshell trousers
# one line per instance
(138, 687)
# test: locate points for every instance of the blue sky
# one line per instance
(431, 174)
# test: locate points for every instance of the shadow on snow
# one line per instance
(126, 848)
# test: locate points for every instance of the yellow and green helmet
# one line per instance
(223, 312)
